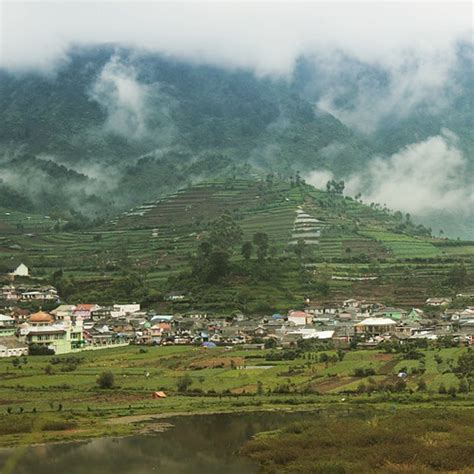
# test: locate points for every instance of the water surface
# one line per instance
(195, 444)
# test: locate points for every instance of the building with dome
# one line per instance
(60, 336)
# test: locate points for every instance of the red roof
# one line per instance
(298, 314)
(85, 307)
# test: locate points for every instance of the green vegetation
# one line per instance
(101, 387)
(225, 244)
(409, 441)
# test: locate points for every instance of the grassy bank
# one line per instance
(409, 441)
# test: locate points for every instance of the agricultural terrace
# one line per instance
(158, 240)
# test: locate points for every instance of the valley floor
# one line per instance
(45, 402)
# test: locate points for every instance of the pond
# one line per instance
(194, 444)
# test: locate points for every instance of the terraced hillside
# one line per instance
(359, 250)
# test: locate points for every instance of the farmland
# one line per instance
(64, 388)
(158, 241)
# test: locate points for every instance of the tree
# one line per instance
(184, 383)
(260, 239)
(300, 248)
(463, 386)
(247, 249)
(106, 380)
(458, 277)
(465, 367)
(225, 232)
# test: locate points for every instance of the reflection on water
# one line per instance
(196, 444)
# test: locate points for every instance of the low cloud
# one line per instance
(124, 99)
(365, 95)
(424, 178)
(135, 110)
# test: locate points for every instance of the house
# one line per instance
(21, 271)
(407, 329)
(9, 293)
(375, 326)
(62, 311)
(174, 297)
(20, 315)
(11, 347)
(7, 326)
(438, 301)
(415, 315)
(299, 318)
(61, 337)
(124, 309)
(311, 333)
(40, 294)
(85, 310)
(393, 313)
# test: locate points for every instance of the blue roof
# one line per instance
(277, 316)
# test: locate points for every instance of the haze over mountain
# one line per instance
(96, 124)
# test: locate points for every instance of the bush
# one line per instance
(421, 386)
(184, 383)
(463, 386)
(36, 349)
(106, 380)
(363, 372)
(452, 391)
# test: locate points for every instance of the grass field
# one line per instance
(65, 389)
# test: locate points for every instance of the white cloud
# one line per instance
(319, 178)
(264, 36)
(408, 81)
(423, 178)
(123, 97)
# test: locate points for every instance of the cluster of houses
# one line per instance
(71, 328)
(22, 293)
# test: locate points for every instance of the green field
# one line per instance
(65, 387)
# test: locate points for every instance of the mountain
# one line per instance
(112, 127)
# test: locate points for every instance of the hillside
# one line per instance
(112, 128)
(320, 245)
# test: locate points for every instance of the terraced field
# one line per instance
(403, 246)
(158, 240)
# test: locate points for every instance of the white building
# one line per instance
(11, 347)
(299, 318)
(21, 270)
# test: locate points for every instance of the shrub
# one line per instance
(35, 349)
(363, 372)
(421, 386)
(184, 383)
(463, 386)
(452, 391)
(106, 380)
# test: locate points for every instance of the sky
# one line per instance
(264, 36)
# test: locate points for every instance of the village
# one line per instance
(88, 326)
